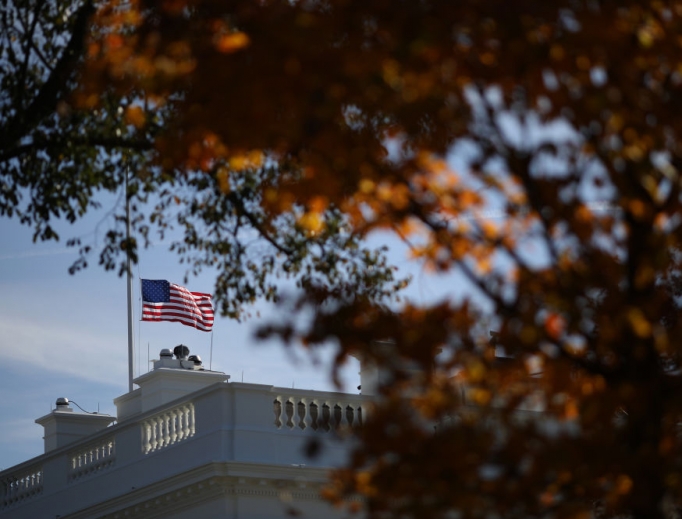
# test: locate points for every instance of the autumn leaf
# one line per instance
(232, 42)
(135, 115)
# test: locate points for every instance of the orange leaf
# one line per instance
(135, 116)
(554, 326)
(232, 42)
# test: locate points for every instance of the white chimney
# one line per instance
(170, 379)
(63, 426)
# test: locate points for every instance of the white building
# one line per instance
(188, 443)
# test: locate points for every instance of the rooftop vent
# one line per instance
(63, 404)
(181, 351)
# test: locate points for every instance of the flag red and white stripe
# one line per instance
(165, 301)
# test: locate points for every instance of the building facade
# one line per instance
(188, 443)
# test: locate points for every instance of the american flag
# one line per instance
(165, 301)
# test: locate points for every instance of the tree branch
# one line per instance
(256, 224)
(46, 99)
(96, 141)
(27, 52)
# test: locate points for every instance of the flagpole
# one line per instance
(130, 293)
(210, 362)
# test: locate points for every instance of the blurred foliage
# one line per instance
(531, 147)
(58, 150)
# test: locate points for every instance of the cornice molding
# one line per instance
(287, 484)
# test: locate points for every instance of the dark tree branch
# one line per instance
(27, 51)
(42, 57)
(239, 205)
(55, 86)
(96, 141)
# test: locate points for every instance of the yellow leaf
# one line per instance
(312, 222)
(241, 161)
(366, 186)
(639, 323)
(480, 396)
(489, 229)
(223, 178)
(232, 42)
(476, 371)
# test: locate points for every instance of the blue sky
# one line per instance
(65, 335)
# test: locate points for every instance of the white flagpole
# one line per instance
(130, 295)
(210, 362)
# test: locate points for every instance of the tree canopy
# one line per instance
(59, 149)
(532, 147)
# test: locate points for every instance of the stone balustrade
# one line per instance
(24, 484)
(167, 428)
(92, 458)
(320, 414)
(224, 423)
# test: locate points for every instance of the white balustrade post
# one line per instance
(192, 430)
(155, 431)
(277, 410)
(295, 418)
(184, 412)
(343, 423)
(173, 426)
(308, 420)
(146, 437)
(165, 429)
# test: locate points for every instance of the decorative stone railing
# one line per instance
(167, 428)
(317, 414)
(225, 422)
(21, 486)
(92, 458)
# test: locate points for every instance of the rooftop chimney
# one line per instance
(170, 379)
(63, 426)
